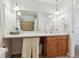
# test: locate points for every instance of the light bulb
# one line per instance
(16, 8)
(19, 13)
(56, 13)
(50, 16)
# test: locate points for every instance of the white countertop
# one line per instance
(32, 34)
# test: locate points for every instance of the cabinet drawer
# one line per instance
(57, 37)
(62, 37)
(50, 38)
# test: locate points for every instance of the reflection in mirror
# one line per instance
(27, 20)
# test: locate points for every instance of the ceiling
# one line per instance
(42, 5)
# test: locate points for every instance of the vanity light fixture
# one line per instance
(56, 12)
(19, 13)
(16, 7)
(50, 16)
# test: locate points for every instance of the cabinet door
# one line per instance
(62, 45)
(50, 48)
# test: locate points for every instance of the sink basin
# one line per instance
(15, 33)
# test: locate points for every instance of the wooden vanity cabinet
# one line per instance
(55, 46)
(62, 45)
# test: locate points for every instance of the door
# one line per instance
(62, 45)
(50, 47)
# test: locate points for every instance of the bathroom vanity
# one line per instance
(54, 44)
(29, 27)
(37, 19)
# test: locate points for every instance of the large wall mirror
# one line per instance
(27, 20)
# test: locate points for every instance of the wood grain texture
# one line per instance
(62, 45)
(55, 46)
